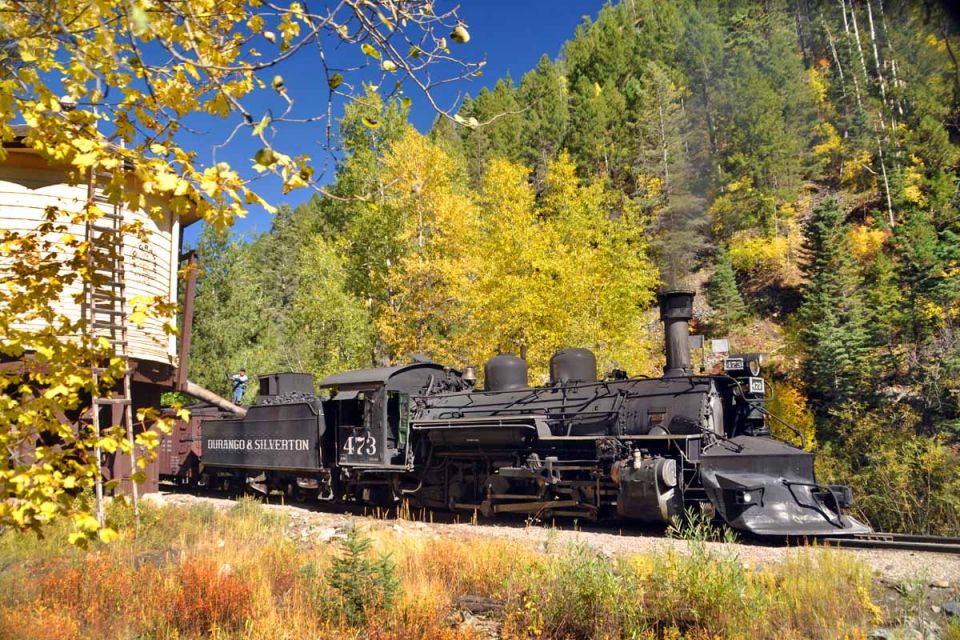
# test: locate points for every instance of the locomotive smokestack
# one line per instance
(676, 310)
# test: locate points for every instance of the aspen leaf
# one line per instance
(57, 390)
(460, 34)
(372, 123)
(335, 81)
(167, 181)
(370, 50)
(260, 126)
(139, 19)
(107, 535)
(386, 21)
(86, 522)
(85, 160)
(389, 66)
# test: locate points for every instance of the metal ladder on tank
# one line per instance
(105, 315)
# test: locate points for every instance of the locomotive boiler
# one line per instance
(641, 449)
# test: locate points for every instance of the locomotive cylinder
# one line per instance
(676, 310)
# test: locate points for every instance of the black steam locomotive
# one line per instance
(633, 448)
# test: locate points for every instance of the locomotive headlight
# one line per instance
(755, 363)
(750, 496)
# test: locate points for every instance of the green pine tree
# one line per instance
(833, 320)
(364, 585)
(724, 295)
(543, 127)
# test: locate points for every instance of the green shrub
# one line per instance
(696, 525)
(903, 481)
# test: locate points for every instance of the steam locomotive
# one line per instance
(641, 449)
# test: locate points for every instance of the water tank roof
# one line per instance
(20, 132)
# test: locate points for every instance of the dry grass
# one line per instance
(196, 572)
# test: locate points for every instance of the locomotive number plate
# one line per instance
(364, 445)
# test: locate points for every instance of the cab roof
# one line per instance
(375, 376)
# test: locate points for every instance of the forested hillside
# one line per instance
(796, 162)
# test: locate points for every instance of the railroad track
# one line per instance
(898, 542)
(876, 540)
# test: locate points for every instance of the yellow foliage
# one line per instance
(744, 183)
(752, 253)
(832, 144)
(490, 272)
(438, 227)
(931, 311)
(866, 241)
(934, 42)
(790, 405)
(742, 206)
(160, 64)
(601, 276)
(652, 186)
(819, 84)
(856, 170)
(39, 482)
(914, 185)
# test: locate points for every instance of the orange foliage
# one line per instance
(209, 597)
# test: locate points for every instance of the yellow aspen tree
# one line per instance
(511, 299)
(426, 286)
(606, 280)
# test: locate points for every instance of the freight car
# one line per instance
(640, 449)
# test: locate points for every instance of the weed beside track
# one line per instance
(196, 571)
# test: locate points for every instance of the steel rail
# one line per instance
(897, 542)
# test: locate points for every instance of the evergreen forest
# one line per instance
(793, 161)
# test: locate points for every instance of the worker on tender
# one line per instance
(239, 385)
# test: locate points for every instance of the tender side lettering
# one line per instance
(261, 444)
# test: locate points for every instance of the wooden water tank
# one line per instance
(29, 185)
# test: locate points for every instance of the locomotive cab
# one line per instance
(369, 413)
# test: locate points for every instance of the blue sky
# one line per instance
(511, 35)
